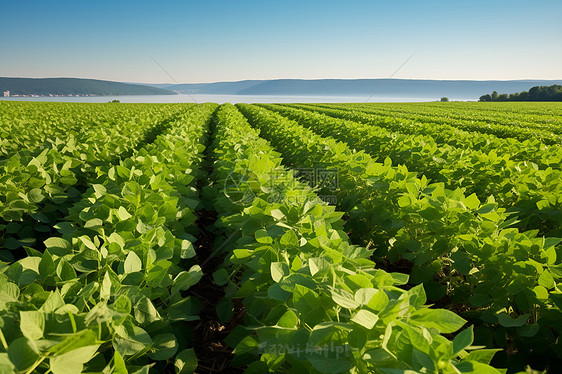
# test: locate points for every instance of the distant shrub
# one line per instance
(444, 99)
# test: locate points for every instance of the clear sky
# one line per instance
(207, 41)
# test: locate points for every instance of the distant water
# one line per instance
(219, 99)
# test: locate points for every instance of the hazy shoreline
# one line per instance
(201, 98)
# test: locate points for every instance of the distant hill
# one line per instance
(217, 88)
(397, 88)
(75, 86)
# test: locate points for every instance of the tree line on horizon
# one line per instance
(537, 93)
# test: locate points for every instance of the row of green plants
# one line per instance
(530, 150)
(550, 123)
(32, 126)
(39, 184)
(535, 196)
(314, 302)
(547, 111)
(546, 135)
(107, 293)
(461, 248)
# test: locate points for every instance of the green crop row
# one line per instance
(32, 127)
(535, 196)
(315, 303)
(106, 295)
(484, 127)
(527, 150)
(37, 186)
(456, 245)
(460, 115)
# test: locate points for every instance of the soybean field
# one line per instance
(280, 238)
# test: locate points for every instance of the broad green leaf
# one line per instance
(119, 366)
(105, 290)
(131, 340)
(165, 346)
(506, 321)
(279, 270)
(186, 279)
(186, 362)
(58, 246)
(132, 263)
(123, 214)
(6, 365)
(23, 353)
(288, 320)
(145, 312)
(463, 340)
(221, 277)
(32, 324)
(262, 236)
(344, 299)
(443, 320)
(72, 362)
(473, 367)
(364, 295)
(472, 202)
(365, 318)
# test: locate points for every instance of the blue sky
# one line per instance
(208, 41)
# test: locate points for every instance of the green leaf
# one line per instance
(186, 362)
(263, 236)
(6, 365)
(165, 346)
(36, 195)
(88, 242)
(365, 318)
(288, 320)
(132, 263)
(105, 290)
(122, 305)
(344, 299)
(187, 250)
(404, 201)
(279, 270)
(289, 239)
(541, 292)
(65, 271)
(240, 256)
(80, 339)
(145, 312)
(443, 320)
(131, 340)
(546, 280)
(318, 265)
(58, 246)
(119, 366)
(472, 202)
(364, 295)
(221, 277)
(53, 302)
(32, 324)
(186, 279)
(123, 214)
(23, 353)
(506, 321)
(473, 367)
(463, 340)
(72, 362)
(257, 367)
(484, 356)
(47, 265)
